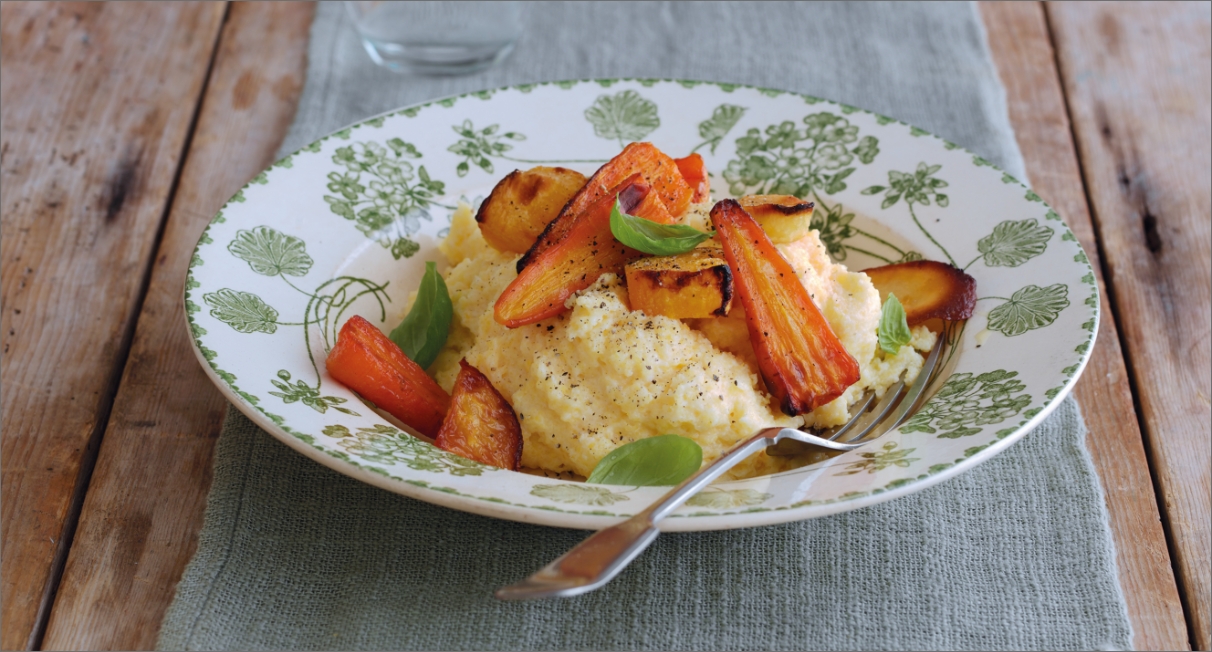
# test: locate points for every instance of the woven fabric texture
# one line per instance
(1015, 554)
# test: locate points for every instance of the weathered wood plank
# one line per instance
(1138, 78)
(98, 100)
(1022, 48)
(140, 522)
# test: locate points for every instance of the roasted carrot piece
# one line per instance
(927, 289)
(577, 260)
(801, 359)
(480, 425)
(694, 171)
(657, 169)
(369, 363)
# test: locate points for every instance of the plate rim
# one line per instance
(590, 521)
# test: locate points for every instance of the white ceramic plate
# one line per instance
(344, 225)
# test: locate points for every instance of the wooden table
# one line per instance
(125, 126)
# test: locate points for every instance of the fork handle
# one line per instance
(596, 560)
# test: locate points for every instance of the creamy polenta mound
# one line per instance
(602, 375)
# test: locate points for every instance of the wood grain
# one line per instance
(1021, 46)
(1138, 78)
(140, 522)
(98, 100)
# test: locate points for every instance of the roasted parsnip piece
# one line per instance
(784, 218)
(578, 258)
(523, 204)
(696, 284)
(927, 289)
(801, 359)
(368, 362)
(480, 425)
(656, 168)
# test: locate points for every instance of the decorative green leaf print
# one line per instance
(271, 252)
(336, 432)
(722, 120)
(918, 187)
(579, 494)
(387, 445)
(331, 299)
(1028, 309)
(728, 499)
(878, 461)
(243, 311)
(833, 226)
(625, 117)
(1013, 243)
(787, 160)
(382, 193)
(968, 401)
(475, 146)
(307, 395)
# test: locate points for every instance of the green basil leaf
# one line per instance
(652, 238)
(656, 461)
(423, 332)
(894, 328)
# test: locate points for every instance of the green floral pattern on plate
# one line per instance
(382, 193)
(279, 269)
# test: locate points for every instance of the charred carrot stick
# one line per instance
(369, 363)
(584, 253)
(658, 170)
(694, 171)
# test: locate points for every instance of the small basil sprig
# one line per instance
(652, 238)
(894, 327)
(423, 332)
(656, 461)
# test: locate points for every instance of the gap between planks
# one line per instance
(1022, 46)
(145, 505)
(1136, 78)
(78, 241)
(88, 462)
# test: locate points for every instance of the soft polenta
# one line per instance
(602, 375)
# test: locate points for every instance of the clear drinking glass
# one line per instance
(444, 38)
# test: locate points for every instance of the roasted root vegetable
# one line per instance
(574, 262)
(784, 218)
(696, 284)
(801, 359)
(694, 171)
(927, 289)
(369, 363)
(523, 204)
(656, 168)
(480, 424)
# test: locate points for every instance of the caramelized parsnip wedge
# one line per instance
(784, 218)
(927, 289)
(480, 424)
(801, 359)
(523, 204)
(696, 284)
(656, 168)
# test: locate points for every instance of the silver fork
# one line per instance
(598, 559)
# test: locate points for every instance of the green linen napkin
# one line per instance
(1015, 554)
